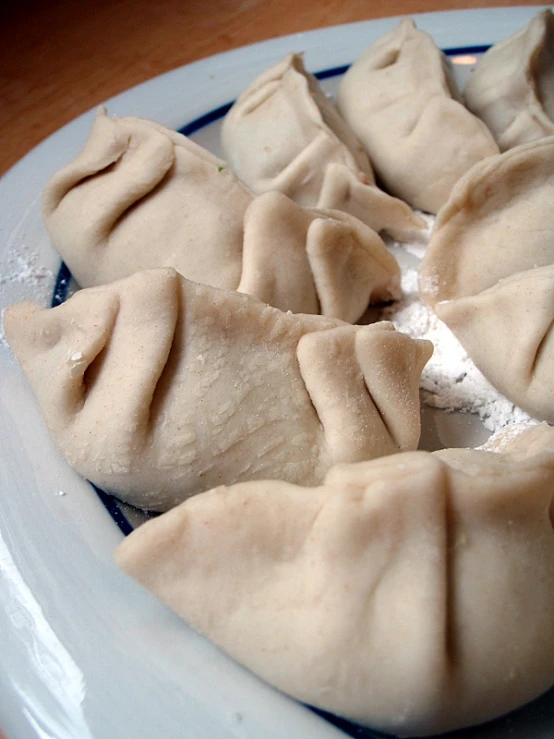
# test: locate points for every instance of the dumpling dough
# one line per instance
(512, 86)
(140, 196)
(309, 261)
(401, 100)
(284, 134)
(156, 388)
(489, 272)
(412, 593)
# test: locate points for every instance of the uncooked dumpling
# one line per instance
(512, 86)
(156, 388)
(284, 134)
(140, 196)
(489, 272)
(412, 593)
(400, 99)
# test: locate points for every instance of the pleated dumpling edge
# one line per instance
(412, 594)
(488, 272)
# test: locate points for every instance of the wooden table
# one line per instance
(58, 58)
(61, 57)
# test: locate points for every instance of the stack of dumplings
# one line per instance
(214, 368)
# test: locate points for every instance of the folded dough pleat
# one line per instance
(488, 272)
(140, 196)
(284, 134)
(400, 99)
(133, 175)
(156, 388)
(310, 261)
(512, 87)
(516, 318)
(363, 386)
(342, 190)
(187, 212)
(412, 593)
(284, 121)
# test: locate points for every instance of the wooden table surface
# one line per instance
(58, 58)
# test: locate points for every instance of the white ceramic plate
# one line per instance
(84, 651)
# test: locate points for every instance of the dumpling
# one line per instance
(156, 388)
(412, 593)
(512, 86)
(488, 272)
(283, 131)
(140, 196)
(284, 134)
(401, 100)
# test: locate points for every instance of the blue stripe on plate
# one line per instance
(59, 296)
(61, 286)
(349, 728)
(112, 506)
(332, 72)
(205, 120)
(461, 50)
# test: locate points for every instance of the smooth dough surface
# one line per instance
(489, 272)
(156, 388)
(401, 100)
(140, 196)
(284, 134)
(512, 87)
(412, 593)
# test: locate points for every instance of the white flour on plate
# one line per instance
(450, 380)
(22, 269)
